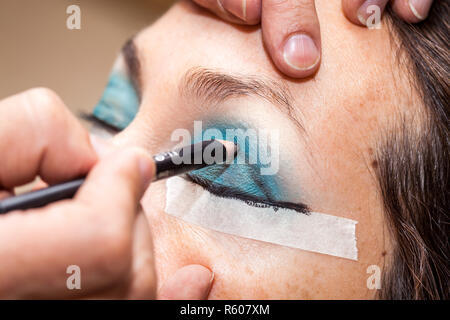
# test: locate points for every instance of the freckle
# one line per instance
(374, 164)
(383, 253)
(305, 295)
(370, 151)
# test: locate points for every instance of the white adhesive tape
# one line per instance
(316, 232)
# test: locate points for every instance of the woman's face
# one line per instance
(328, 127)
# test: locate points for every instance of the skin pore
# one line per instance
(328, 133)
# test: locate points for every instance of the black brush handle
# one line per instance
(40, 198)
(166, 166)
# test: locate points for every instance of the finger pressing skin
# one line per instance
(359, 11)
(191, 282)
(291, 34)
(39, 136)
(94, 232)
(364, 12)
(236, 11)
(412, 10)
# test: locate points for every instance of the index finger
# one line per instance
(413, 11)
(39, 136)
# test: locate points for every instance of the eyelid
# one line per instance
(228, 192)
(120, 102)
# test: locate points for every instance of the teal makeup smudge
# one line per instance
(120, 101)
(242, 178)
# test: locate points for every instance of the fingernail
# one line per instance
(372, 9)
(237, 8)
(300, 52)
(100, 146)
(420, 8)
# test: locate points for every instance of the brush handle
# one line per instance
(40, 198)
(167, 164)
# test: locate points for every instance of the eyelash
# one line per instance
(98, 122)
(227, 192)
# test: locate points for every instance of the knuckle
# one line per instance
(289, 16)
(46, 109)
(278, 5)
(292, 6)
(303, 9)
(44, 98)
(304, 4)
(45, 102)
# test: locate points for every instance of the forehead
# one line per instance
(356, 73)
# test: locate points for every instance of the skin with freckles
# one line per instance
(326, 156)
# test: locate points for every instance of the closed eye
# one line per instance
(231, 192)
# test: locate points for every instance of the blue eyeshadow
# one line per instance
(119, 103)
(242, 178)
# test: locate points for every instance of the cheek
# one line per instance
(246, 269)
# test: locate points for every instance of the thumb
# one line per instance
(192, 282)
(291, 33)
(117, 183)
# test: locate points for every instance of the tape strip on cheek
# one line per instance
(316, 232)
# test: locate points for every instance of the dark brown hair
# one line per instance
(414, 165)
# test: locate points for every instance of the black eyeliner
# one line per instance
(230, 193)
(92, 119)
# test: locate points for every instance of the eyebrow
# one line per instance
(215, 86)
(131, 57)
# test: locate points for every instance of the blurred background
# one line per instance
(37, 49)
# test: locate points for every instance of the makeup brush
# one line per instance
(168, 164)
